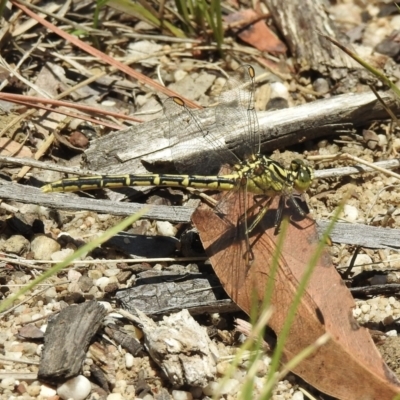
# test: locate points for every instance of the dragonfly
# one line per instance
(246, 170)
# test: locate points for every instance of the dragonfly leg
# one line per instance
(259, 216)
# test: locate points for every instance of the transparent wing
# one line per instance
(194, 149)
(235, 112)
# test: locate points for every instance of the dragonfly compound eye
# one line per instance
(303, 175)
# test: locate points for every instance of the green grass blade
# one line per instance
(142, 13)
(376, 72)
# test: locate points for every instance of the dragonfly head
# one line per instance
(302, 175)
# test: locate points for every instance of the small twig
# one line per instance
(45, 165)
(381, 166)
(34, 264)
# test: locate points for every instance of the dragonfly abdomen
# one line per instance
(224, 182)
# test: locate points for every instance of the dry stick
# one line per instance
(13, 99)
(380, 166)
(52, 167)
(35, 264)
(32, 100)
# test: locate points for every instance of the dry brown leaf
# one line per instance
(256, 34)
(349, 366)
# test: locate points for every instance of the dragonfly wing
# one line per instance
(195, 149)
(235, 112)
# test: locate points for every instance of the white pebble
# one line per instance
(129, 360)
(181, 395)
(382, 140)
(61, 255)
(365, 308)
(43, 247)
(298, 395)
(8, 383)
(114, 396)
(77, 388)
(278, 89)
(229, 387)
(179, 75)
(165, 228)
(350, 213)
(74, 275)
(392, 333)
(102, 282)
(357, 312)
(383, 302)
(47, 392)
(388, 309)
(111, 272)
(392, 300)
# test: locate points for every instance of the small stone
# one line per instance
(77, 388)
(21, 388)
(229, 387)
(94, 274)
(43, 247)
(297, 395)
(47, 392)
(111, 272)
(165, 228)
(16, 244)
(278, 89)
(33, 390)
(357, 312)
(321, 85)
(365, 308)
(7, 383)
(350, 213)
(129, 360)
(179, 75)
(382, 140)
(181, 395)
(61, 255)
(114, 396)
(196, 392)
(85, 283)
(74, 275)
(102, 282)
(392, 333)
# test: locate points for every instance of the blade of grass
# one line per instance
(84, 249)
(218, 30)
(376, 72)
(140, 12)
